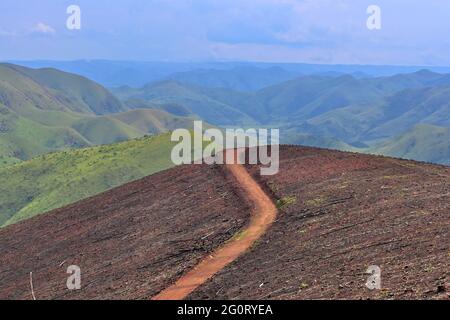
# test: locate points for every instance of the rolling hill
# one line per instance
(309, 97)
(301, 100)
(137, 238)
(24, 89)
(194, 99)
(45, 110)
(423, 142)
(154, 121)
(138, 73)
(239, 78)
(339, 213)
(340, 112)
(22, 138)
(53, 180)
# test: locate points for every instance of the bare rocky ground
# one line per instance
(130, 242)
(342, 213)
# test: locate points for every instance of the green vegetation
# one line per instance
(304, 286)
(423, 142)
(239, 236)
(7, 161)
(23, 138)
(242, 78)
(198, 101)
(53, 180)
(315, 202)
(153, 121)
(47, 110)
(286, 201)
(336, 112)
(59, 90)
(316, 141)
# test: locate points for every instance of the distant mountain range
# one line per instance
(46, 110)
(209, 74)
(340, 112)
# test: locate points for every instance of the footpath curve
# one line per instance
(263, 215)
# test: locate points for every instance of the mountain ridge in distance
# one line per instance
(45, 110)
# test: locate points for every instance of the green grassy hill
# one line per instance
(57, 179)
(153, 121)
(423, 142)
(195, 100)
(312, 99)
(45, 110)
(70, 91)
(241, 78)
(22, 138)
(310, 140)
(106, 130)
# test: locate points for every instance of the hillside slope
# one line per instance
(339, 214)
(45, 110)
(197, 100)
(242, 78)
(70, 91)
(423, 142)
(318, 110)
(130, 242)
(54, 180)
(41, 109)
(153, 121)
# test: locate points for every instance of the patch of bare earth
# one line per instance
(130, 242)
(341, 213)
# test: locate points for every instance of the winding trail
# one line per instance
(263, 215)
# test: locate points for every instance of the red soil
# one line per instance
(351, 211)
(130, 242)
(345, 212)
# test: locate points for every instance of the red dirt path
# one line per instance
(263, 216)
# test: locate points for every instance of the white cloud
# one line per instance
(44, 28)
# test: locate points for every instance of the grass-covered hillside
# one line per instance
(46, 110)
(196, 100)
(59, 90)
(53, 180)
(423, 142)
(22, 138)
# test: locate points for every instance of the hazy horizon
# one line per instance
(231, 62)
(331, 32)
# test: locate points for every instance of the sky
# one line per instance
(413, 32)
